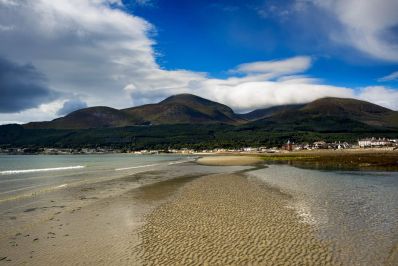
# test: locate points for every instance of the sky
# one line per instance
(60, 56)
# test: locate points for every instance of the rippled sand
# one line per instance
(90, 224)
(226, 219)
(229, 160)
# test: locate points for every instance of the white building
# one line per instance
(373, 142)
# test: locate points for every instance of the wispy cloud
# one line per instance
(276, 67)
(390, 77)
(367, 25)
(145, 3)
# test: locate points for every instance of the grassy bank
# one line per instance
(346, 160)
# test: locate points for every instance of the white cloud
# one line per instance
(247, 96)
(276, 67)
(98, 53)
(390, 77)
(43, 112)
(380, 95)
(79, 45)
(70, 106)
(368, 25)
(6, 122)
(254, 90)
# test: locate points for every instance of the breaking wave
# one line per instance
(24, 171)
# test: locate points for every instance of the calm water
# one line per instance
(356, 210)
(27, 174)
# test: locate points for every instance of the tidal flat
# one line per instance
(174, 211)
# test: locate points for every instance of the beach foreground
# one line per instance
(233, 211)
(227, 219)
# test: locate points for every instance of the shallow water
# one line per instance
(355, 210)
(27, 174)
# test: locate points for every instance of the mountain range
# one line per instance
(330, 114)
(189, 121)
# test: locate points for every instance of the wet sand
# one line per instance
(228, 219)
(229, 160)
(89, 224)
(94, 224)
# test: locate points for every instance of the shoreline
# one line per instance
(380, 160)
(326, 160)
(236, 152)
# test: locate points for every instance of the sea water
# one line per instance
(26, 174)
(357, 211)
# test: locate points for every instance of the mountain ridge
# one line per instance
(192, 109)
(186, 108)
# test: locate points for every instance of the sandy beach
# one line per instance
(209, 212)
(229, 160)
(93, 223)
(226, 219)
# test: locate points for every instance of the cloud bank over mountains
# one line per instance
(96, 53)
(70, 106)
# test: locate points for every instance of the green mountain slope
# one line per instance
(267, 112)
(92, 117)
(186, 108)
(178, 109)
(322, 115)
(332, 115)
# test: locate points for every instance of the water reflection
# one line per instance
(356, 210)
(331, 165)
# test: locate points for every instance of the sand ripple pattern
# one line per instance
(226, 219)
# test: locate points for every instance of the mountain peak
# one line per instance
(333, 105)
(187, 98)
(187, 108)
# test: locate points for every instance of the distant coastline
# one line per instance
(346, 159)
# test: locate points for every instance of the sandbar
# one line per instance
(229, 160)
(228, 219)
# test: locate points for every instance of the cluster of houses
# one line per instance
(290, 146)
(377, 142)
(206, 151)
(362, 143)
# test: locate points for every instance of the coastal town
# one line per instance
(290, 146)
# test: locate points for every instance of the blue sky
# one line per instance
(58, 56)
(212, 36)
